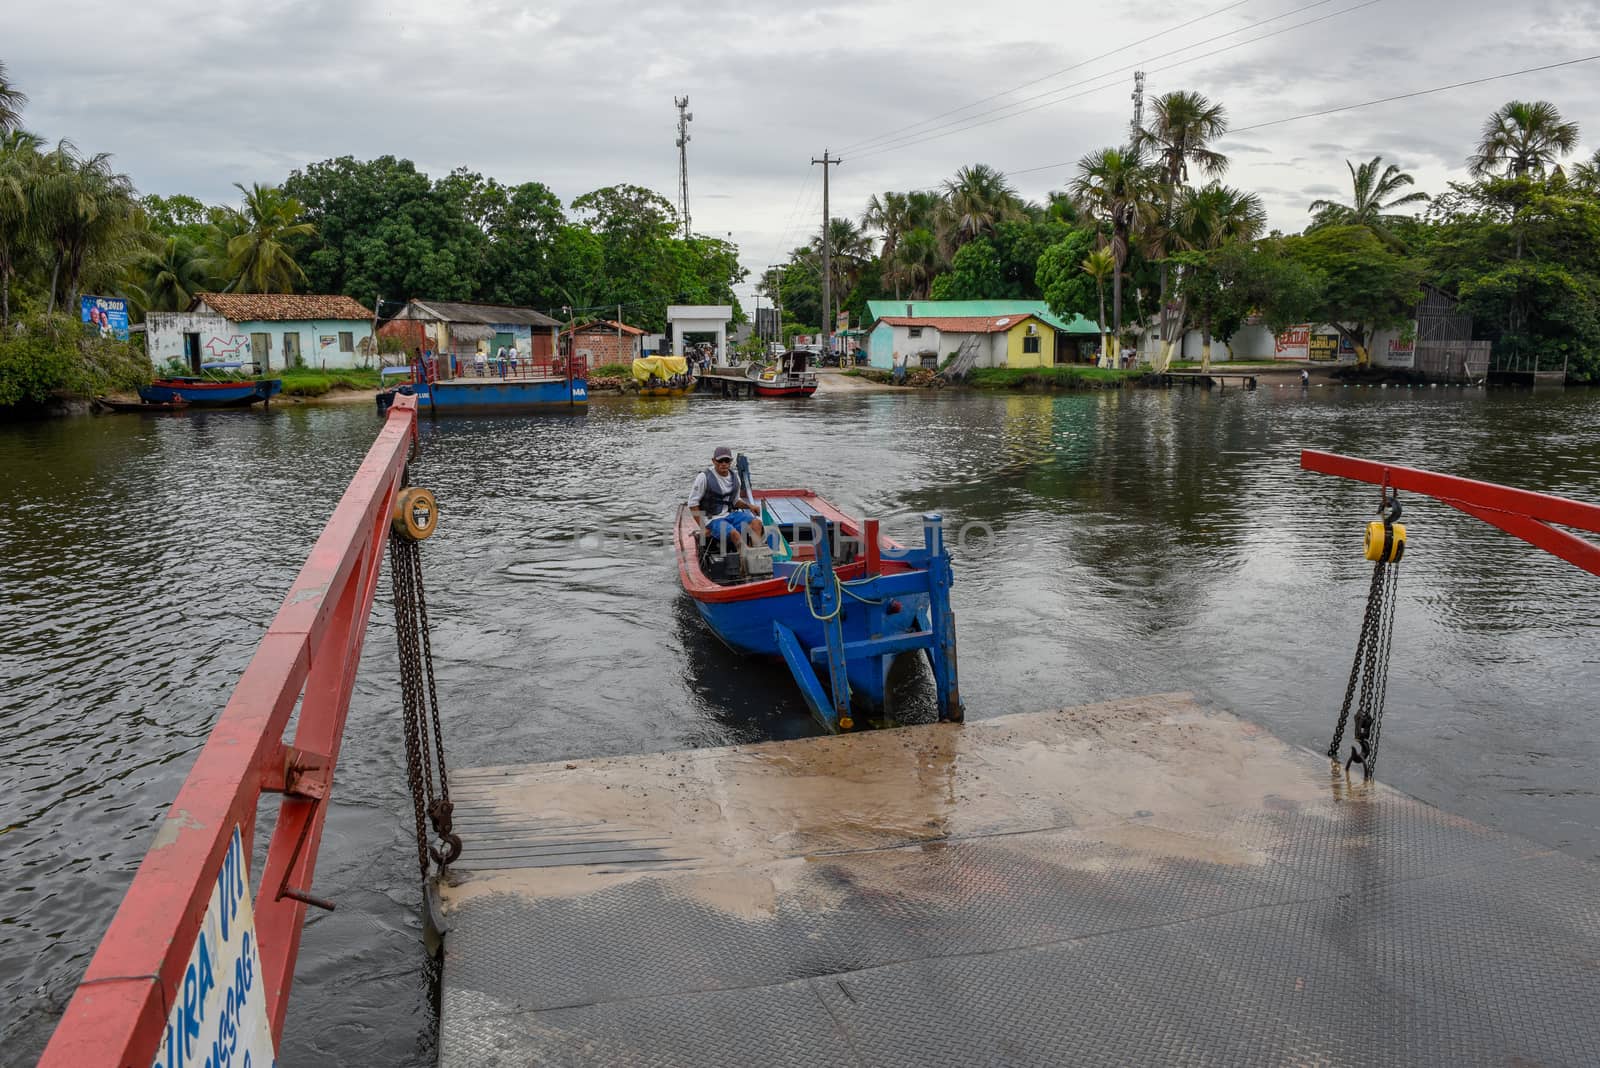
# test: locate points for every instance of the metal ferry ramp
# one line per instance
(1138, 882)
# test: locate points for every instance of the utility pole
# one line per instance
(684, 119)
(827, 258)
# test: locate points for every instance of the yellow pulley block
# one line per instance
(416, 513)
(1376, 539)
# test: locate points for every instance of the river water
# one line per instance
(1142, 542)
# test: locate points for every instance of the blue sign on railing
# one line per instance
(106, 316)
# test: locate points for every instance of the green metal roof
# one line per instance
(954, 308)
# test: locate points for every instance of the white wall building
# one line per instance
(700, 319)
(263, 331)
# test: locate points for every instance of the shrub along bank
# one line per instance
(52, 360)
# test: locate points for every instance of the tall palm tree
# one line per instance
(19, 166)
(82, 209)
(1182, 126)
(976, 200)
(259, 259)
(889, 216)
(1375, 200)
(1523, 138)
(1204, 220)
(1100, 265)
(849, 248)
(1586, 175)
(1117, 187)
(918, 259)
(11, 101)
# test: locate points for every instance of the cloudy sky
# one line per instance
(579, 95)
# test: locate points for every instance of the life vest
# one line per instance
(714, 501)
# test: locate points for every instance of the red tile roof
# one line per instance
(610, 326)
(959, 324)
(254, 307)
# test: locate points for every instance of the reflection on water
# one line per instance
(1145, 542)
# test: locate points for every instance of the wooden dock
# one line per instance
(1142, 881)
(1208, 379)
(726, 382)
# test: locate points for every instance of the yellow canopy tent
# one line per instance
(662, 367)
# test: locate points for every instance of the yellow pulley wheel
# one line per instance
(416, 513)
(1376, 539)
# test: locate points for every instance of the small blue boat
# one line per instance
(209, 393)
(845, 605)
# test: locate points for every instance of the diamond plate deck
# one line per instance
(1138, 882)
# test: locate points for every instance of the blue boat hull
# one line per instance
(490, 396)
(199, 394)
(746, 627)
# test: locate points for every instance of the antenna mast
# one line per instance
(685, 117)
(1138, 107)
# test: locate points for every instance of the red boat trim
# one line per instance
(701, 588)
(1519, 512)
(168, 383)
(118, 1014)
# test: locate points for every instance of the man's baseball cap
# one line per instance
(721, 451)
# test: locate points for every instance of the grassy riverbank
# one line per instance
(309, 382)
(1069, 377)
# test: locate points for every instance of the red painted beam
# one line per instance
(119, 1012)
(1522, 513)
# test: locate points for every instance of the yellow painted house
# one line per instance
(1019, 340)
(1030, 342)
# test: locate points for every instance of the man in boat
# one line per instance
(721, 505)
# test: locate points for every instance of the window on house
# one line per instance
(914, 331)
(347, 341)
(1030, 343)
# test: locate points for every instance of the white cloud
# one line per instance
(579, 95)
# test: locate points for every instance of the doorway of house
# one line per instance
(261, 352)
(191, 352)
(291, 349)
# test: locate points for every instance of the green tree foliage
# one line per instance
(1376, 195)
(974, 274)
(12, 100)
(1061, 276)
(1521, 139)
(260, 259)
(1365, 285)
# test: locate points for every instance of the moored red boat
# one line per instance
(788, 377)
(205, 393)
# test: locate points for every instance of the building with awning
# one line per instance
(465, 329)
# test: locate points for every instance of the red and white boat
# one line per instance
(786, 378)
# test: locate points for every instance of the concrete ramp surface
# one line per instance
(1136, 882)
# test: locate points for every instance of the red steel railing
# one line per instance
(309, 655)
(1522, 513)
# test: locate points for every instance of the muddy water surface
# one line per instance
(1141, 543)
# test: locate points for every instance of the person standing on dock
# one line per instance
(720, 503)
(899, 363)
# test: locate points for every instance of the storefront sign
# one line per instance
(1323, 346)
(1294, 343)
(219, 1011)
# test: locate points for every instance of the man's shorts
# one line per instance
(722, 527)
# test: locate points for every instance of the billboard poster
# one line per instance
(106, 316)
(1294, 343)
(1402, 350)
(1323, 347)
(843, 321)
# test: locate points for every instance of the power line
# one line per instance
(1363, 104)
(931, 135)
(1419, 92)
(1046, 77)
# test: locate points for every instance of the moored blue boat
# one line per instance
(208, 393)
(845, 605)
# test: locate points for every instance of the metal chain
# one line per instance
(1368, 629)
(1371, 664)
(400, 576)
(1386, 641)
(419, 701)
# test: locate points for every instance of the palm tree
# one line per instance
(1100, 265)
(1586, 175)
(82, 209)
(889, 216)
(1523, 137)
(1374, 200)
(918, 259)
(1204, 220)
(19, 165)
(1116, 186)
(976, 200)
(1182, 126)
(11, 101)
(259, 259)
(173, 273)
(849, 248)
